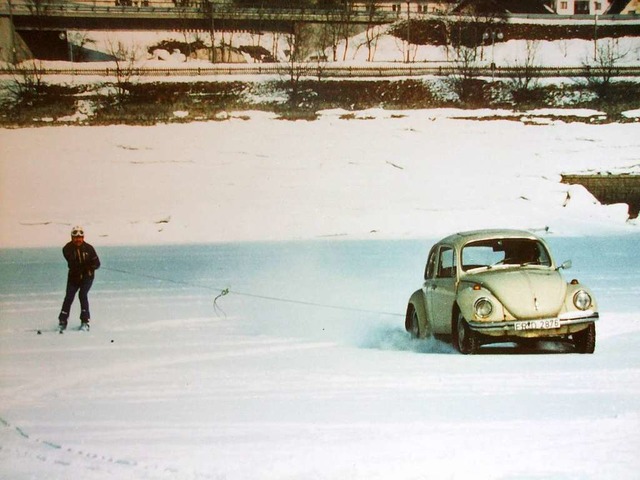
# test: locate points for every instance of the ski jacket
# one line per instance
(82, 261)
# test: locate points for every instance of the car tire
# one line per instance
(411, 323)
(585, 340)
(465, 340)
(414, 323)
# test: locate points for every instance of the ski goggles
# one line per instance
(77, 232)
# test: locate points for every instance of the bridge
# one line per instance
(46, 21)
(200, 14)
(175, 14)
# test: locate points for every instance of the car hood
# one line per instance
(525, 292)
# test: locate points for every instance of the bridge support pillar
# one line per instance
(13, 49)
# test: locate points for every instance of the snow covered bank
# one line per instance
(557, 53)
(376, 174)
(376, 46)
(387, 48)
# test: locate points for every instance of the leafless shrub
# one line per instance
(300, 47)
(600, 72)
(463, 81)
(125, 58)
(27, 85)
(524, 78)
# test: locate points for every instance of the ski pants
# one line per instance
(72, 288)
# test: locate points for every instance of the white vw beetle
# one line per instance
(492, 286)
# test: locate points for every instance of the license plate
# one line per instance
(538, 324)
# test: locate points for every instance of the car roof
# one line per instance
(461, 238)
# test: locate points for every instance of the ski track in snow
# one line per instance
(60, 461)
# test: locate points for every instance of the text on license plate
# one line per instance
(538, 324)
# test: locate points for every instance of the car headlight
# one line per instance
(483, 307)
(582, 300)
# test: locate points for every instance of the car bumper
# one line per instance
(562, 324)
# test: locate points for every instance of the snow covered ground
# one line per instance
(168, 386)
(303, 370)
(369, 175)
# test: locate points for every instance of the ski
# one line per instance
(61, 330)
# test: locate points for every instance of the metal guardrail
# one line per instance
(322, 71)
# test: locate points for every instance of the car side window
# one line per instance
(430, 268)
(447, 263)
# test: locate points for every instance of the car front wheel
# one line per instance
(464, 339)
(585, 340)
(411, 322)
(414, 324)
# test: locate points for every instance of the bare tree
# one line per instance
(346, 29)
(331, 33)
(524, 78)
(275, 46)
(183, 13)
(298, 41)
(463, 79)
(372, 32)
(601, 72)
(125, 58)
(27, 85)
(407, 49)
(226, 46)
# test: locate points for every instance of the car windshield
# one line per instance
(504, 251)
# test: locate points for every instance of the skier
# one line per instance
(82, 261)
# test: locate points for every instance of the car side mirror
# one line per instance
(566, 265)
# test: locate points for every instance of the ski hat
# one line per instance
(77, 232)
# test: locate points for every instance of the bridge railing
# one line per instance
(55, 6)
(360, 12)
(150, 9)
(28, 7)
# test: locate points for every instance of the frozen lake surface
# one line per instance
(303, 370)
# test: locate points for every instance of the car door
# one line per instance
(440, 289)
(429, 274)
